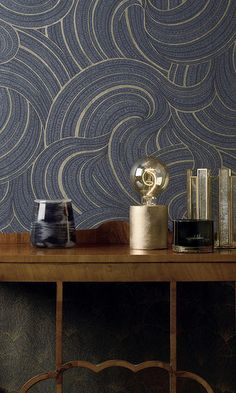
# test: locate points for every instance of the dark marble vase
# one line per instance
(53, 224)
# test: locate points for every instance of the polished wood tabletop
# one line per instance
(23, 262)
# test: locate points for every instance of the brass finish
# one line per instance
(148, 227)
(202, 199)
(36, 379)
(191, 195)
(195, 377)
(97, 368)
(224, 231)
(199, 194)
(203, 194)
(233, 204)
(227, 209)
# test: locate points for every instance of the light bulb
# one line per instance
(149, 177)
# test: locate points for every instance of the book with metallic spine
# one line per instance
(233, 201)
(214, 197)
(227, 209)
(199, 195)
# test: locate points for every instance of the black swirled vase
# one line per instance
(53, 224)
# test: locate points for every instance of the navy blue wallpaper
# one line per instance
(89, 86)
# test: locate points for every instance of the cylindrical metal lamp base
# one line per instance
(148, 227)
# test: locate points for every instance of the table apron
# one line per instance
(117, 272)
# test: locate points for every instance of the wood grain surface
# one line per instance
(103, 254)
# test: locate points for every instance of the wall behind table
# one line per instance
(87, 87)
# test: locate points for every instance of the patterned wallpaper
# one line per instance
(89, 86)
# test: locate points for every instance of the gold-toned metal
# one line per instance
(37, 379)
(97, 368)
(191, 195)
(227, 209)
(224, 231)
(148, 227)
(199, 194)
(214, 197)
(233, 211)
(135, 368)
(203, 194)
(197, 378)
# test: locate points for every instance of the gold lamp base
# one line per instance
(148, 227)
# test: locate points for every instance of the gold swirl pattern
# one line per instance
(87, 87)
(9, 42)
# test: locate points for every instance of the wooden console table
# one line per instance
(20, 262)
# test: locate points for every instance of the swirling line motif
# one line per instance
(190, 28)
(89, 86)
(20, 128)
(34, 13)
(9, 42)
